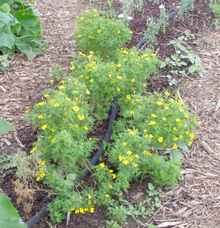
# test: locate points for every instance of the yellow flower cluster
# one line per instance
(83, 210)
(40, 175)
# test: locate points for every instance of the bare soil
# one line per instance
(195, 201)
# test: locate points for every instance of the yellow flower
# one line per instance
(166, 106)
(160, 139)
(186, 116)
(126, 162)
(110, 186)
(119, 77)
(134, 164)
(180, 136)
(91, 37)
(42, 162)
(46, 95)
(175, 138)
(133, 80)
(40, 117)
(189, 143)
(81, 210)
(131, 32)
(174, 129)
(102, 165)
(172, 100)
(114, 176)
(150, 136)
(164, 119)
(92, 210)
(181, 110)
(132, 112)
(107, 195)
(109, 75)
(44, 127)
(175, 146)
(153, 116)
(119, 65)
(76, 211)
(90, 139)
(33, 149)
(72, 68)
(128, 97)
(118, 89)
(82, 18)
(86, 209)
(159, 103)
(148, 153)
(137, 156)
(79, 36)
(178, 120)
(75, 108)
(129, 152)
(38, 178)
(89, 196)
(56, 105)
(166, 93)
(191, 135)
(52, 140)
(99, 31)
(124, 143)
(132, 133)
(81, 117)
(41, 103)
(120, 158)
(92, 80)
(26, 111)
(72, 208)
(86, 128)
(130, 158)
(87, 91)
(152, 123)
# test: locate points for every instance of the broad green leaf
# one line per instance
(7, 39)
(13, 20)
(184, 147)
(4, 19)
(19, 1)
(29, 48)
(150, 187)
(9, 2)
(5, 8)
(4, 127)
(9, 217)
(176, 154)
(26, 19)
(16, 29)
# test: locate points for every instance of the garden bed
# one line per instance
(175, 28)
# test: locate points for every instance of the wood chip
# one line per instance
(206, 147)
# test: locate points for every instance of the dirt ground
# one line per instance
(195, 202)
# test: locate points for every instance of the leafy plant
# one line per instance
(185, 5)
(183, 62)
(100, 35)
(20, 29)
(149, 126)
(4, 62)
(4, 127)
(215, 6)
(9, 216)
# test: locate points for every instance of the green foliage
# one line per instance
(20, 29)
(9, 216)
(215, 6)
(149, 126)
(100, 35)
(4, 127)
(4, 62)
(183, 58)
(185, 5)
(105, 80)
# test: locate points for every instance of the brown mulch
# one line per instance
(195, 201)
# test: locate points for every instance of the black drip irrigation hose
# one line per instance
(143, 40)
(43, 212)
